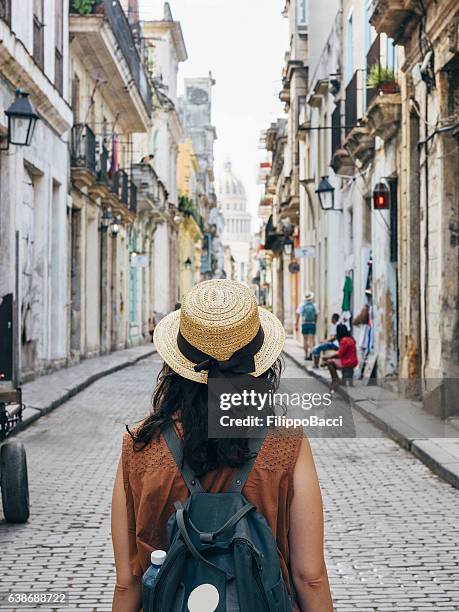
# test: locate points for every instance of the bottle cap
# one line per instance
(158, 557)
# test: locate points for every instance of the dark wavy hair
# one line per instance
(177, 397)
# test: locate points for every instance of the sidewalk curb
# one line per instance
(417, 445)
(33, 413)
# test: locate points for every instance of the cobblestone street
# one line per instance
(391, 525)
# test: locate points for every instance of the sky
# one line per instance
(243, 43)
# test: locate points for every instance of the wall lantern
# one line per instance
(288, 246)
(116, 226)
(106, 218)
(187, 263)
(326, 193)
(381, 197)
(22, 119)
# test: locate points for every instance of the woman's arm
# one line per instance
(128, 593)
(306, 537)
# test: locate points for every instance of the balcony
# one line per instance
(122, 193)
(396, 18)
(83, 156)
(384, 115)
(103, 41)
(151, 193)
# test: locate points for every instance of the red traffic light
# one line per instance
(381, 197)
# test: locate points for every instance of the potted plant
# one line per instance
(382, 79)
(86, 7)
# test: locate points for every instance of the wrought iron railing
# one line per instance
(83, 147)
(122, 30)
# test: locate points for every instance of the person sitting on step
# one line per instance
(345, 358)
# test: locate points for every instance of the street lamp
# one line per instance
(106, 218)
(187, 263)
(116, 226)
(22, 119)
(326, 193)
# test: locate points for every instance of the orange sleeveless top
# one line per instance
(153, 483)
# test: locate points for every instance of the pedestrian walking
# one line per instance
(307, 312)
(330, 344)
(345, 358)
(219, 332)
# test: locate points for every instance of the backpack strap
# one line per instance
(240, 477)
(175, 447)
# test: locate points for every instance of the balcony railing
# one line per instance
(5, 11)
(373, 59)
(336, 129)
(83, 147)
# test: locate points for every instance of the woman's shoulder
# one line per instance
(139, 456)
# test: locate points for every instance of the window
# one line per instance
(349, 68)
(302, 12)
(38, 33)
(367, 25)
(391, 55)
(59, 46)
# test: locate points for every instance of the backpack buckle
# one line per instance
(207, 538)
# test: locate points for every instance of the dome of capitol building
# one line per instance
(232, 201)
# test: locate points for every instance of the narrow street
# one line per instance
(391, 525)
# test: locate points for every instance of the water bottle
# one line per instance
(148, 579)
(157, 559)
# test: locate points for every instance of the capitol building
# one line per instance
(237, 234)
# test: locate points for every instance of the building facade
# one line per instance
(34, 199)
(165, 51)
(196, 115)
(378, 156)
(191, 224)
(111, 100)
(92, 224)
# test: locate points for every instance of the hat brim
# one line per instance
(165, 339)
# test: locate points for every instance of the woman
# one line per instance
(345, 358)
(218, 331)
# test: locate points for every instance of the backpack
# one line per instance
(308, 313)
(217, 539)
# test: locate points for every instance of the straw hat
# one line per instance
(218, 317)
(309, 296)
